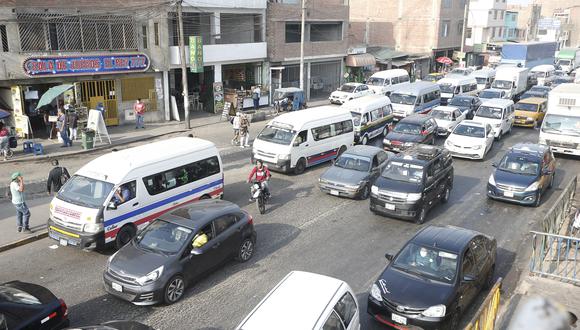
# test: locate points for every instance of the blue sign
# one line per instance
(85, 65)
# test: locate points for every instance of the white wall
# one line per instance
(246, 4)
(228, 53)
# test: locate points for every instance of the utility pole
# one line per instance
(303, 9)
(463, 32)
(185, 91)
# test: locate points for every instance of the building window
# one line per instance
(325, 32)
(495, 14)
(468, 32)
(500, 34)
(156, 33)
(4, 38)
(493, 32)
(447, 3)
(292, 32)
(240, 28)
(501, 13)
(460, 28)
(542, 32)
(144, 36)
(445, 29)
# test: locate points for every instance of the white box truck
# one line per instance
(568, 59)
(512, 79)
(561, 126)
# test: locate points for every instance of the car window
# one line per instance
(375, 115)
(124, 193)
(382, 157)
(333, 322)
(457, 113)
(479, 248)
(394, 80)
(375, 162)
(346, 308)
(468, 264)
(224, 222)
(302, 137)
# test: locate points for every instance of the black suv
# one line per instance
(411, 131)
(412, 183)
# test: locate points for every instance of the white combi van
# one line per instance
(545, 73)
(484, 78)
(561, 125)
(372, 116)
(305, 301)
(152, 179)
(418, 97)
(296, 140)
(455, 85)
(383, 82)
(499, 113)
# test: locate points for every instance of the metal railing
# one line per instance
(485, 316)
(555, 256)
(560, 211)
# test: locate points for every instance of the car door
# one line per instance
(300, 147)
(375, 169)
(431, 129)
(356, 92)
(489, 136)
(203, 258)
(468, 288)
(115, 210)
(347, 310)
(505, 123)
(430, 189)
(228, 236)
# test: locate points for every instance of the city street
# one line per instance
(303, 229)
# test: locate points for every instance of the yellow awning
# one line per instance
(359, 60)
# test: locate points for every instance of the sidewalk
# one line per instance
(9, 237)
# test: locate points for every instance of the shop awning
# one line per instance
(399, 64)
(359, 60)
(385, 54)
(51, 94)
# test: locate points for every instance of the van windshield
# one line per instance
(355, 118)
(527, 107)
(564, 62)
(481, 80)
(376, 81)
(488, 112)
(405, 172)
(561, 125)
(446, 88)
(83, 191)
(502, 84)
(403, 98)
(277, 135)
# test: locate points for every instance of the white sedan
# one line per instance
(470, 139)
(447, 118)
(349, 91)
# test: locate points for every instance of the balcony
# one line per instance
(228, 53)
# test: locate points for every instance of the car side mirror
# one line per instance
(389, 257)
(111, 206)
(468, 278)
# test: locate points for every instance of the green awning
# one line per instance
(52, 93)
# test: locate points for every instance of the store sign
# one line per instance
(85, 65)
(195, 54)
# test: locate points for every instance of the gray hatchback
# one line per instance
(176, 249)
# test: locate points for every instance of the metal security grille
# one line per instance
(74, 31)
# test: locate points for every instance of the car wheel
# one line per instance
(420, 218)
(489, 279)
(499, 136)
(174, 289)
(124, 236)
(246, 250)
(365, 192)
(364, 140)
(552, 180)
(446, 194)
(385, 131)
(300, 166)
(538, 198)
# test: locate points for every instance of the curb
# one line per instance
(24, 241)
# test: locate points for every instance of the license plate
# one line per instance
(117, 287)
(389, 206)
(63, 242)
(399, 319)
(508, 193)
(334, 192)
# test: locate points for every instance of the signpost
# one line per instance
(218, 96)
(195, 54)
(97, 124)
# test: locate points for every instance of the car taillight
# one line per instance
(63, 308)
(423, 132)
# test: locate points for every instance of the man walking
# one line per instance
(22, 211)
(256, 96)
(56, 178)
(73, 121)
(62, 126)
(236, 126)
(139, 108)
(244, 131)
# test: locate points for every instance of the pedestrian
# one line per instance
(236, 127)
(22, 211)
(73, 121)
(62, 127)
(256, 96)
(4, 140)
(56, 178)
(244, 131)
(139, 109)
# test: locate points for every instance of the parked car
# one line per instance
(447, 117)
(498, 113)
(433, 279)
(349, 91)
(115, 325)
(31, 306)
(530, 112)
(411, 131)
(524, 173)
(466, 103)
(470, 139)
(412, 183)
(176, 249)
(354, 172)
(492, 93)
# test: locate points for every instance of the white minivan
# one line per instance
(484, 78)
(299, 139)
(499, 113)
(454, 85)
(305, 301)
(561, 125)
(384, 82)
(372, 116)
(113, 196)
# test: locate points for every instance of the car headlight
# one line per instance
(284, 157)
(413, 197)
(530, 118)
(491, 180)
(376, 292)
(151, 277)
(533, 187)
(408, 144)
(386, 141)
(93, 227)
(435, 311)
(476, 147)
(375, 190)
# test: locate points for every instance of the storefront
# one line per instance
(359, 65)
(320, 77)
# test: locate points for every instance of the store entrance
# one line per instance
(94, 94)
(200, 87)
(39, 118)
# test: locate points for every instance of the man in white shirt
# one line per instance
(256, 96)
(22, 211)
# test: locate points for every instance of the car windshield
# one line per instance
(527, 95)
(519, 164)
(566, 125)
(353, 162)
(489, 95)
(488, 112)
(468, 130)
(277, 135)
(347, 88)
(163, 236)
(446, 88)
(502, 84)
(527, 107)
(83, 191)
(460, 101)
(355, 118)
(431, 78)
(440, 114)
(564, 62)
(408, 128)
(481, 80)
(427, 262)
(561, 80)
(376, 81)
(13, 295)
(402, 98)
(405, 172)
(539, 89)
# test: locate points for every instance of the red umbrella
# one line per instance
(444, 60)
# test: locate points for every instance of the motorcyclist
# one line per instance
(262, 175)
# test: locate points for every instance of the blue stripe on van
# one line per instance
(163, 202)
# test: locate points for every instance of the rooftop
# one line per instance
(448, 238)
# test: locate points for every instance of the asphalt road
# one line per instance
(303, 229)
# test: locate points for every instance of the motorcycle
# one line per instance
(12, 143)
(259, 196)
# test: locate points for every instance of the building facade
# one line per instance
(511, 30)
(486, 21)
(527, 20)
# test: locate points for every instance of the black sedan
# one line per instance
(31, 306)
(353, 173)
(466, 103)
(433, 279)
(177, 249)
(411, 131)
